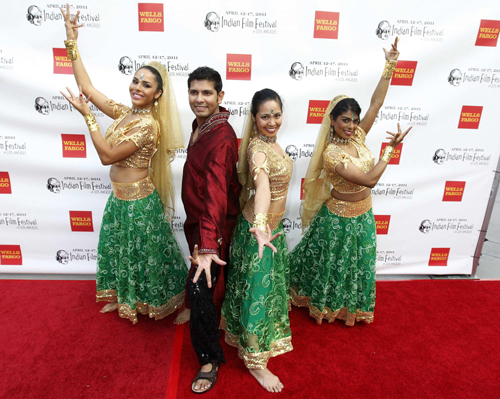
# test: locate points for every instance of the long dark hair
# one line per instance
(157, 76)
(261, 97)
(347, 104)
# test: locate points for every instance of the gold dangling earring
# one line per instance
(254, 128)
(156, 105)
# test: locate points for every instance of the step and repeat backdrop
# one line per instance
(429, 204)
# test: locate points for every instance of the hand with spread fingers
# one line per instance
(397, 138)
(204, 261)
(264, 240)
(71, 24)
(393, 53)
(79, 102)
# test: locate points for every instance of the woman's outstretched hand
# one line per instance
(78, 102)
(71, 24)
(397, 138)
(393, 53)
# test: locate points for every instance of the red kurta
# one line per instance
(210, 187)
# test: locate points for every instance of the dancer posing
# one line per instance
(210, 192)
(255, 310)
(140, 268)
(333, 266)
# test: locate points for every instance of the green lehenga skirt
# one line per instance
(255, 311)
(332, 269)
(139, 263)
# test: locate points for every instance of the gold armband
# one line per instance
(72, 49)
(260, 222)
(390, 66)
(91, 123)
(387, 155)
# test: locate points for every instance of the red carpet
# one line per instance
(430, 339)
(55, 344)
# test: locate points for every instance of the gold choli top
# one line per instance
(145, 138)
(333, 155)
(278, 168)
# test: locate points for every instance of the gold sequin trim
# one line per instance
(348, 209)
(328, 314)
(273, 219)
(257, 360)
(126, 312)
(133, 191)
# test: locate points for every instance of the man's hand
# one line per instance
(203, 262)
(264, 240)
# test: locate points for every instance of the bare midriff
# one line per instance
(352, 197)
(119, 174)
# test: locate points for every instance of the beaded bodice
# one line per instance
(333, 155)
(145, 137)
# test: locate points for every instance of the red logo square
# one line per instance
(62, 64)
(439, 257)
(326, 25)
(239, 67)
(396, 155)
(454, 191)
(150, 17)
(404, 73)
(5, 186)
(81, 220)
(74, 146)
(11, 255)
(470, 117)
(316, 111)
(382, 223)
(488, 33)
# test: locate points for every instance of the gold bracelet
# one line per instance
(387, 155)
(390, 66)
(72, 49)
(260, 222)
(91, 123)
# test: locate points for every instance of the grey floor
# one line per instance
(488, 269)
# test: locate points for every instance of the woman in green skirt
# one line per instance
(140, 268)
(255, 311)
(332, 269)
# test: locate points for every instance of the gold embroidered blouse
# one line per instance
(145, 138)
(333, 155)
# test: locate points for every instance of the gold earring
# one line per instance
(254, 128)
(156, 105)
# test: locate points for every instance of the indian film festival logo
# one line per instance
(11, 255)
(89, 16)
(18, 220)
(409, 115)
(338, 71)
(295, 153)
(176, 67)
(289, 225)
(78, 184)
(458, 155)
(326, 25)
(389, 258)
(455, 225)
(57, 103)
(6, 60)
(488, 33)
(486, 77)
(393, 190)
(422, 30)
(150, 17)
(76, 254)
(11, 145)
(255, 22)
(239, 67)
(239, 109)
(177, 224)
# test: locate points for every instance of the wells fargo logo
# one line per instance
(396, 155)
(326, 25)
(470, 117)
(5, 186)
(150, 17)
(382, 223)
(439, 257)
(11, 255)
(81, 220)
(62, 64)
(488, 33)
(239, 67)
(316, 111)
(454, 191)
(74, 146)
(404, 73)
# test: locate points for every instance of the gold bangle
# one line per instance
(72, 49)
(260, 222)
(390, 66)
(91, 123)
(387, 155)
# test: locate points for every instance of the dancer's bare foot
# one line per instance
(183, 316)
(110, 307)
(268, 380)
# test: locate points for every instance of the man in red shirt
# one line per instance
(210, 193)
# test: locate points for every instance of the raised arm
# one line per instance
(380, 92)
(81, 75)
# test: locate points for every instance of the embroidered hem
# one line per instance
(328, 314)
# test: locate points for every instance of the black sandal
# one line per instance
(207, 375)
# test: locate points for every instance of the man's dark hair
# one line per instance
(206, 73)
